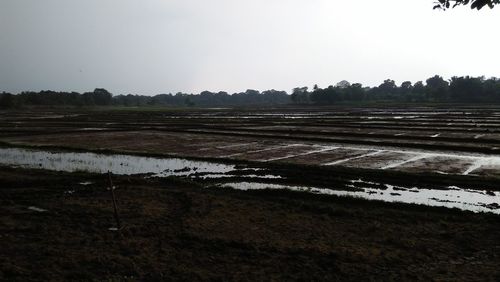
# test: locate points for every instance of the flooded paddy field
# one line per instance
(453, 141)
(458, 140)
(209, 194)
(251, 177)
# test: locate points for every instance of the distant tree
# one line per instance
(332, 95)
(318, 96)
(102, 97)
(436, 89)
(206, 93)
(491, 90)
(6, 100)
(355, 92)
(188, 102)
(466, 89)
(252, 92)
(275, 97)
(474, 4)
(387, 89)
(417, 93)
(131, 100)
(405, 87)
(418, 88)
(300, 95)
(343, 84)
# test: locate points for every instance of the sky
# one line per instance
(166, 46)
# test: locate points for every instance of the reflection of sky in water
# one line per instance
(117, 164)
(454, 197)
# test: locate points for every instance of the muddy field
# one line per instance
(55, 226)
(193, 228)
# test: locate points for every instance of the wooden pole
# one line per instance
(117, 218)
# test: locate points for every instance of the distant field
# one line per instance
(458, 140)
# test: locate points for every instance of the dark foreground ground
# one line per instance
(179, 230)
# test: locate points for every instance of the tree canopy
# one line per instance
(474, 4)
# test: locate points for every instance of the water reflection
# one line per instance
(116, 164)
(453, 197)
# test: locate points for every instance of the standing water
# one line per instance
(116, 164)
(452, 197)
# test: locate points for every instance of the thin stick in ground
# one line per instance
(111, 187)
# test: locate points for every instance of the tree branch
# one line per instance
(474, 4)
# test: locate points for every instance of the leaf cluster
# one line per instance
(474, 4)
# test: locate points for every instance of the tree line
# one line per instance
(464, 89)
(101, 97)
(206, 99)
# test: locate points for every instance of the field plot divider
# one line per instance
(355, 158)
(261, 150)
(482, 162)
(302, 154)
(412, 159)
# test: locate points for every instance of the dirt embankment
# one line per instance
(179, 230)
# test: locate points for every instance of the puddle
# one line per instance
(32, 208)
(52, 116)
(119, 164)
(452, 197)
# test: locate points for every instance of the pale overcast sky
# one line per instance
(161, 46)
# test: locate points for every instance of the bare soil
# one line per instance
(178, 230)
